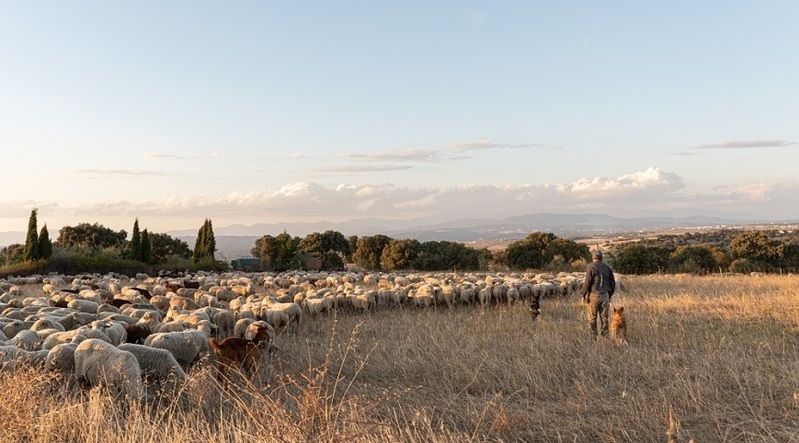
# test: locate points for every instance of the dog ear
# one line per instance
(621, 309)
(614, 310)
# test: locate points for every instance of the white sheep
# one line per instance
(62, 358)
(115, 331)
(87, 306)
(188, 347)
(27, 340)
(101, 364)
(158, 366)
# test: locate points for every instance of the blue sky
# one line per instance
(284, 111)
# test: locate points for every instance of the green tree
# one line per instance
(787, 255)
(31, 252)
(278, 253)
(146, 247)
(165, 247)
(135, 246)
(446, 255)
(12, 254)
(210, 240)
(529, 252)
(205, 247)
(641, 259)
(567, 250)
(400, 254)
(694, 259)
(45, 245)
(352, 240)
(369, 251)
(91, 236)
(754, 246)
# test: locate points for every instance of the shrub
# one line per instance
(640, 259)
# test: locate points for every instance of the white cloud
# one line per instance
(351, 169)
(408, 155)
(483, 145)
(747, 144)
(124, 173)
(167, 156)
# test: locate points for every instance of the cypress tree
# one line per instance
(45, 244)
(146, 247)
(31, 251)
(135, 242)
(199, 245)
(210, 241)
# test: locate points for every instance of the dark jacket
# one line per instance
(598, 279)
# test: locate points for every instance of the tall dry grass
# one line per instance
(710, 359)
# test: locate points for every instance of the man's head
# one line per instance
(597, 255)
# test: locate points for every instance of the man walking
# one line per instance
(597, 291)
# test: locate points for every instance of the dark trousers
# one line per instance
(598, 305)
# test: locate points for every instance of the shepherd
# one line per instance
(597, 291)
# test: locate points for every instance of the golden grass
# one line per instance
(710, 358)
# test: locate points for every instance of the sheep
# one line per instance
(90, 334)
(87, 306)
(158, 366)
(223, 319)
(277, 312)
(14, 327)
(316, 306)
(189, 347)
(467, 295)
(484, 296)
(172, 326)
(115, 331)
(46, 323)
(61, 358)
(101, 364)
(259, 331)
(241, 326)
(234, 351)
(183, 303)
(23, 357)
(27, 340)
(137, 333)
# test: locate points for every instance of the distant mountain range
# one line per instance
(235, 241)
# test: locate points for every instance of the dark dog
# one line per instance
(535, 306)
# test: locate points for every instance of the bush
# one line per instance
(745, 266)
(693, 259)
(400, 254)
(369, 251)
(640, 259)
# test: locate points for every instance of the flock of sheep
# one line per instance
(133, 334)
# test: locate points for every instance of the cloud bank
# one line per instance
(650, 191)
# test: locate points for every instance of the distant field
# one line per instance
(710, 358)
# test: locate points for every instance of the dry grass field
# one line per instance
(709, 359)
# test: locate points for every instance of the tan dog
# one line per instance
(618, 326)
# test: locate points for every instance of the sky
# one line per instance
(249, 112)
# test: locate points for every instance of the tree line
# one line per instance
(747, 251)
(95, 240)
(330, 250)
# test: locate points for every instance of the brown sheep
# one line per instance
(233, 351)
(242, 352)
